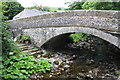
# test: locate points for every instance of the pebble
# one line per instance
(50, 76)
(66, 66)
(118, 78)
(107, 75)
(70, 61)
(103, 77)
(42, 76)
(55, 66)
(90, 76)
(67, 61)
(62, 69)
(38, 56)
(90, 72)
(81, 74)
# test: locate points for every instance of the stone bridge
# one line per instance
(104, 24)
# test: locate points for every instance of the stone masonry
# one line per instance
(41, 28)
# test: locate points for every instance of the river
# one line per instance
(92, 59)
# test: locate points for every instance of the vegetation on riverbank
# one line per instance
(16, 64)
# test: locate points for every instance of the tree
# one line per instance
(95, 5)
(2, 16)
(76, 5)
(101, 5)
(7, 43)
(116, 5)
(10, 9)
(59, 8)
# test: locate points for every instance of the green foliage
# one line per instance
(88, 5)
(2, 17)
(7, 44)
(18, 65)
(59, 8)
(25, 38)
(10, 9)
(22, 65)
(54, 9)
(45, 8)
(75, 5)
(78, 37)
(22, 38)
(43, 65)
(101, 5)
(95, 5)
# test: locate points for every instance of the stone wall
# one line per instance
(99, 19)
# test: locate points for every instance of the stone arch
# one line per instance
(46, 34)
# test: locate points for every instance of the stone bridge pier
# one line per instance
(104, 24)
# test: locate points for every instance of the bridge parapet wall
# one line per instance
(100, 19)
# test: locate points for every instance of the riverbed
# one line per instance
(92, 59)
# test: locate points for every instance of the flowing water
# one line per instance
(93, 59)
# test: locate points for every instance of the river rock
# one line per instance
(56, 62)
(81, 75)
(89, 76)
(118, 78)
(33, 77)
(43, 52)
(50, 76)
(38, 56)
(66, 66)
(90, 72)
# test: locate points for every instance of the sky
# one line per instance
(50, 3)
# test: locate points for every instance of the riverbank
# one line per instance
(90, 60)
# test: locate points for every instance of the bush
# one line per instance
(76, 5)
(18, 65)
(22, 65)
(11, 9)
(45, 8)
(78, 37)
(25, 38)
(7, 44)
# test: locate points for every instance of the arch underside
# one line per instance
(40, 36)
